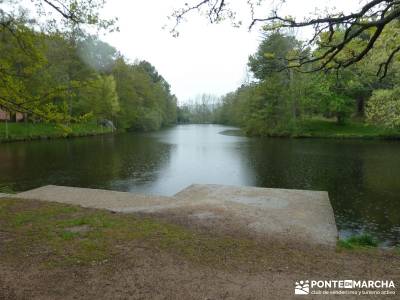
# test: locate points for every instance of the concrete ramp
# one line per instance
(296, 216)
(101, 199)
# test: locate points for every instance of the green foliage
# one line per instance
(268, 112)
(6, 189)
(145, 99)
(271, 54)
(326, 96)
(358, 241)
(328, 128)
(32, 131)
(383, 108)
(18, 66)
(281, 99)
(99, 97)
(271, 106)
(151, 120)
(66, 76)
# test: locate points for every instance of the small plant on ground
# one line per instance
(359, 241)
(6, 189)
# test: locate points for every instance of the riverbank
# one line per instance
(329, 129)
(320, 128)
(61, 251)
(12, 132)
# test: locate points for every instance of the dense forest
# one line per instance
(283, 98)
(66, 76)
(344, 73)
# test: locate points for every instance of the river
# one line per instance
(362, 177)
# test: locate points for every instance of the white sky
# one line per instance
(205, 58)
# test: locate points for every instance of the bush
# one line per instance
(383, 108)
(151, 120)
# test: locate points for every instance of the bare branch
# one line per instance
(341, 30)
(385, 65)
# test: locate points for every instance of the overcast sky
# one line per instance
(204, 58)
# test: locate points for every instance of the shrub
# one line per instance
(383, 108)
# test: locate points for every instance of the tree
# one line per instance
(146, 102)
(331, 97)
(234, 108)
(183, 114)
(63, 75)
(341, 30)
(203, 109)
(276, 103)
(20, 65)
(267, 60)
(359, 80)
(99, 98)
(277, 92)
(26, 59)
(80, 13)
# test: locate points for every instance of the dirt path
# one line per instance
(142, 273)
(150, 259)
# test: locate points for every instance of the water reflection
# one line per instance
(199, 155)
(362, 178)
(84, 162)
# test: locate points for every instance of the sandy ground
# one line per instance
(143, 273)
(138, 271)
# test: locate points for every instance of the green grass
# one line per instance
(358, 241)
(329, 129)
(31, 131)
(44, 232)
(53, 235)
(6, 189)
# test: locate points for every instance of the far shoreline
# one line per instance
(325, 129)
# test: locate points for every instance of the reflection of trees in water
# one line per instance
(382, 177)
(86, 162)
(360, 176)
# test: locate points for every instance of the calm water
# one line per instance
(362, 177)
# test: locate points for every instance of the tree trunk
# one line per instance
(360, 106)
(340, 119)
(13, 117)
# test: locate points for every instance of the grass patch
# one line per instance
(325, 128)
(30, 131)
(358, 241)
(42, 231)
(6, 189)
